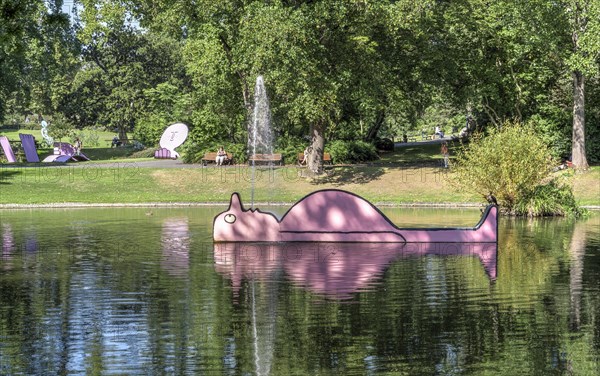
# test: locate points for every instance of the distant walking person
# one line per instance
(306, 153)
(445, 154)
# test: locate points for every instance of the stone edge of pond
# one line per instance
(192, 204)
(66, 205)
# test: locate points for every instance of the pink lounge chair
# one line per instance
(10, 155)
(28, 143)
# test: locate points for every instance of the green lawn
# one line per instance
(97, 139)
(586, 187)
(407, 175)
(100, 150)
(126, 183)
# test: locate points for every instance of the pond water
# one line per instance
(145, 291)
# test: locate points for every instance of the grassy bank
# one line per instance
(128, 183)
(408, 175)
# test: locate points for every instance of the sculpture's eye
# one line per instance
(230, 218)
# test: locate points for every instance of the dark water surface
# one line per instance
(144, 291)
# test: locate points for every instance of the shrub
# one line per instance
(549, 199)
(149, 129)
(143, 153)
(352, 151)
(384, 144)
(511, 162)
(61, 128)
(289, 148)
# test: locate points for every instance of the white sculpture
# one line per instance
(173, 136)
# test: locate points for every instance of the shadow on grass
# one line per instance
(417, 155)
(97, 154)
(8, 174)
(349, 175)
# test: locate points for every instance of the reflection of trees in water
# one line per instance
(532, 295)
(98, 298)
(87, 299)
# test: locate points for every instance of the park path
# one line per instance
(423, 142)
(178, 163)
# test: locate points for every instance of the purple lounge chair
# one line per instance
(68, 149)
(66, 152)
(28, 143)
(10, 155)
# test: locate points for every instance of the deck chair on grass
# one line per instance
(28, 143)
(65, 152)
(8, 151)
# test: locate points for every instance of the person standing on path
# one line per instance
(445, 154)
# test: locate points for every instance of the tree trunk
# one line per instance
(578, 148)
(122, 133)
(375, 128)
(577, 254)
(315, 156)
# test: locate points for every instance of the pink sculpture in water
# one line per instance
(338, 216)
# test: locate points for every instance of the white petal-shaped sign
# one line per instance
(174, 135)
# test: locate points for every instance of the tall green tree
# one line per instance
(584, 22)
(38, 56)
(121, 62)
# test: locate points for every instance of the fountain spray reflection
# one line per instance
(260, 135)
(175, 240)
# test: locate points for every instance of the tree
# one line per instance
(584, 21)
(514, 164)
(121, 62)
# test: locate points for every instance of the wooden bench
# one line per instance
(326, 158)
(266, 158)
(212, 157)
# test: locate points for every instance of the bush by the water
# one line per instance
(514, 164)
(352, 151)
(549, 199)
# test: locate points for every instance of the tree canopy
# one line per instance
(334, 70)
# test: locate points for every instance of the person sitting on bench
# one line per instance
(221, 156)
(115, 142)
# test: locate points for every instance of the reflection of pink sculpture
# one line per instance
(337, 216)
(334, 269)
